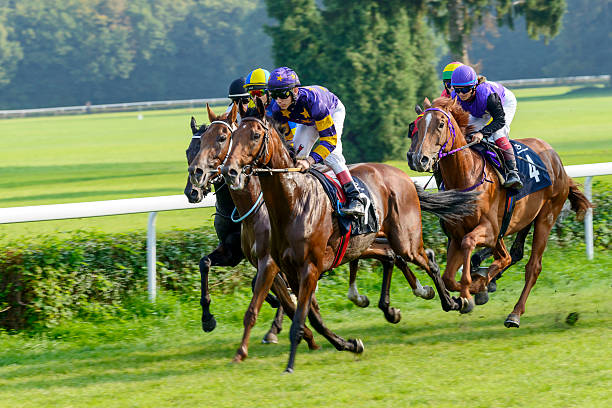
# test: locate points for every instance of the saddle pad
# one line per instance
(529, 164)
(336, 195)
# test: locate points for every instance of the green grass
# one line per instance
(48, 160)
(159, 356)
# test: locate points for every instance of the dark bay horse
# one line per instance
(235, 242)
(305, 236)
(442, 130)
(204, 158)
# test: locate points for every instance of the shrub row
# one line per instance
(89, 274)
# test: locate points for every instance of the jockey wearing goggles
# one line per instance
(237, 93)
(492, 108)
(319, 115)
(446, 77)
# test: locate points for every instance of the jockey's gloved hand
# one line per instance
(304, 164)
(475, 137)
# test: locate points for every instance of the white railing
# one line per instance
(152, 205)
(111, 107)
(572, 80)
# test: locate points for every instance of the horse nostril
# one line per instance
(233, 173)
(194, 193)
(199, 172)
(424, 160)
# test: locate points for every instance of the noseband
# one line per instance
(231, 128)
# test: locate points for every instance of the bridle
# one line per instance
(217, 173)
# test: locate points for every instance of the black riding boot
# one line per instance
(355, 200)
(512, 178)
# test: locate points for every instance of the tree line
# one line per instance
(379, 57)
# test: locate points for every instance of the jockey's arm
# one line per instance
(328, 138)
(498, 116)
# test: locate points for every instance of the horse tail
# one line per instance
(451, 206)
(580, 204)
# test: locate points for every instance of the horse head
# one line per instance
(194, 194)
(256, 144)
(438, 132)
(215, 144)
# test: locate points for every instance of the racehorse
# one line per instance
(440, 142)
(305, 237)
(204, 157)
(230, 249)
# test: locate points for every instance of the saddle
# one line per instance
(530, 166)
(356, 225)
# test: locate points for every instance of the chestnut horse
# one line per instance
(441, 130)
(305, 236)
(250, 241)
(205, 154)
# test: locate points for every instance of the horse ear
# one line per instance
(426, 103)
(233, 113)
(418, 109)
(261, 109)
(211, 115)
(242, 108)
(194, 126)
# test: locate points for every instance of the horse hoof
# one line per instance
(358, 346)
(513, 320)
(363, 301)
(481, 297)
(209, 324)
(288, 371)
(467, 305)
(492, 287)
(270, 338)
(393, 316)
(430, 293)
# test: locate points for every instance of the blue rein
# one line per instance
(253, 208)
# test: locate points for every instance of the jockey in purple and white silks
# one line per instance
(319, 115)
(492, 108)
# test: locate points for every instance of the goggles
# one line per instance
(280, 93)
(463, 89)
(244, 99)
(257, 92)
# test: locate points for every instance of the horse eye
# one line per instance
(441, 125)
(256, 135)
(222, 138)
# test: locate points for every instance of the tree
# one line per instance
(376, 56)
(10, 51)
(457, 19)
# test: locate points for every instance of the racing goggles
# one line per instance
(257, 92)
(243, 99)
(280, 93)
(463, 89)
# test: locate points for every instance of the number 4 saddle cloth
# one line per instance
(532, 170)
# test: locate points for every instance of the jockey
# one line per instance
(492, 108)
(237, 93)
(446, 78)
(320, 117)
(256, 86)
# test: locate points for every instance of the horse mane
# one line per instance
(252, 113)
(454, 108)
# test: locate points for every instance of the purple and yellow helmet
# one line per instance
(283, 78)
(464, 75)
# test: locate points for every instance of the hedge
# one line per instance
(89, 275)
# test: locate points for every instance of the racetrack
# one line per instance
(161, 358)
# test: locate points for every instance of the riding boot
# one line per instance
(355, 200)
(513, 179)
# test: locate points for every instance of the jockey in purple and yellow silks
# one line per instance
(256, 86)
(319, 115)
(446, 78)
(491, 107)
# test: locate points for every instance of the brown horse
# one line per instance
(205, 154)
(305, 235)
(441, 130)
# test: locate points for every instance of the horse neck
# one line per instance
(245, 199)
(462, 169)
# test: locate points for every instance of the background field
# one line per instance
(50, 160)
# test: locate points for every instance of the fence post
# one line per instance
(151, 257)
(588, 219)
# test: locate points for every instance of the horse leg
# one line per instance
(392, 314)
(279, 287)
(266, 271)
(353, 292)
(271, 337)
(516, 252)
(426, 292)
(476, 237)
(502, 260)
(543, 224)
(221, 256)
(315, 319)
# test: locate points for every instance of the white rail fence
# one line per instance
(136, 106)
(153, 205)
